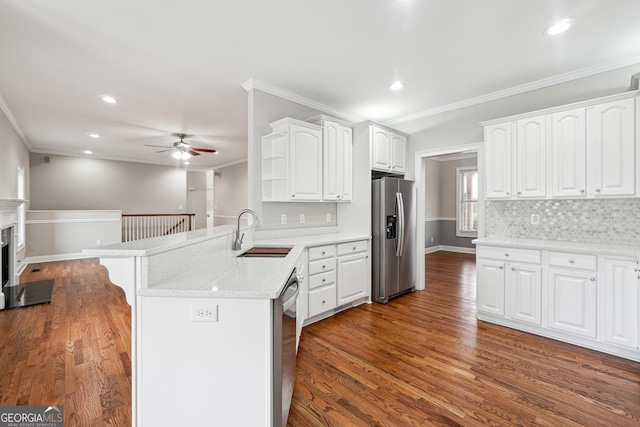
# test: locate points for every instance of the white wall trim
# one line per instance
(14, 123)
(57, 257)
(290, 96)
(226, 165)
(449, 249)
(439, 219)
(70, 220)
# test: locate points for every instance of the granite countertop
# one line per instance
(559, 245)
(224, 275)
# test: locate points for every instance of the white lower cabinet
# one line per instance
(572, 301)
(523, 293)
(589, 300)
(339, 275)
(621, 302)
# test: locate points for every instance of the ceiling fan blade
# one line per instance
(158, 146)
(164, 151)
(193, 152)
(204, 150)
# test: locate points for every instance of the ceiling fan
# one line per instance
(181, 149)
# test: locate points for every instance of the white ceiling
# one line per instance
(179, 65)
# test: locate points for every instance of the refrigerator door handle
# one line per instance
(400, 213)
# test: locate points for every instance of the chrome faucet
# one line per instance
(237, 243)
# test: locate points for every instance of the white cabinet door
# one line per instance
(621, 302)
(498, 161)
(353, 273)
(398, 152)
(530, 157)
(347, 163)
(569, 151)
(613, 145)
(337, 167)
(305, 163)
(490, 289)
(523, 292)
(380, 154)
(572, 301)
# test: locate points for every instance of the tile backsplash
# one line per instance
(615, 221)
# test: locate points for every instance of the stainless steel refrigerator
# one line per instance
(394, 238)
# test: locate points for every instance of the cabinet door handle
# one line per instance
(593, 279)
(323, 252)
(571, 261)
(324, 301)
(293, 195)
(501, 267)
(324, 266)
(597, 190)
(507, 254)
(508, 193)
(582, 191)
(513, 269)
(324, 280)
(354, 248)
(519, 192)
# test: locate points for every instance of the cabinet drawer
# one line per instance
(322, 266)
(352, 247)
(510, 254)
(321, 300)
(568, 260)
(321, 252)
(322, 279)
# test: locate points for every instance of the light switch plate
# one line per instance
(535, 219)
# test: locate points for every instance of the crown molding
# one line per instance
(12, 120)
(252, 84)
(516, 90)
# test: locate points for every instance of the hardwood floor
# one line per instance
(420, 360)
(424, 360)
(75, 351)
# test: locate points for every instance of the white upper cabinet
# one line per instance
(569, 154)
(388, 150)
(292, 162)
(586, 150)
(337, 161)
(531, 157)
(613, 148)
(498, 161)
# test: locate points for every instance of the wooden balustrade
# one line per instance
(145, 226)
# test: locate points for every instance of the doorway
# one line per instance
(423, 159)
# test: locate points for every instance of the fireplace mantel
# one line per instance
(11, 203)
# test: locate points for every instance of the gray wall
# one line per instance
(197, 197)
(264, 109)
(231, 193)
(92, 184)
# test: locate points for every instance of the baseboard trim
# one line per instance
(450, 249)
(58, 257)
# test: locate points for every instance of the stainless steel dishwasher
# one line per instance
(284, 349)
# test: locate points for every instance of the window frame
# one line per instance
(459, 201)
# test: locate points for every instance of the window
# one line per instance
(22, 208)
(467, 201)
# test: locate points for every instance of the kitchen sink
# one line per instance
(266, 252)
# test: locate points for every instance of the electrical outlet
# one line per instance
(204, 312)
(301, 218)
(283, 218)
(431, 239)
(98, 242)
(328, 217)
(535, 219)
(180, 207)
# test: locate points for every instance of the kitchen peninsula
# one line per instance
(186, 369)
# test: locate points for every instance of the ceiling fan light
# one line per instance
(185, 156)
(177, 155)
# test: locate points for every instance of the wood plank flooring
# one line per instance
(75, 351)
(424, 360)
(420, 360)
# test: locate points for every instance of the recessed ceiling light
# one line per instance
(109, 99)
(88, 152)
(94, 135)
(397, 85)
(559, 27)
